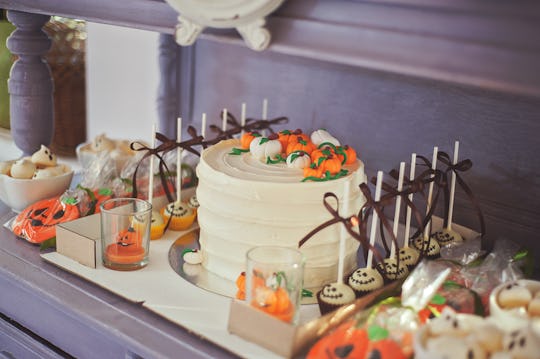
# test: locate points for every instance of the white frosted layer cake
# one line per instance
(246, 203)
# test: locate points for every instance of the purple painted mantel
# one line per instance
(393, 76)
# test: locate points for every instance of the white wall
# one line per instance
(122, 79)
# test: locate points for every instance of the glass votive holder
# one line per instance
(125, 233)
(274, 280)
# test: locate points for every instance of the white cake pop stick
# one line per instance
(203, 125)
(151, 167)
(412, 173)
(430, 192)
(343, 234)
(374, 219)
(243, 118)
(453, 187)
(265, 109)
(397, 209)
(178, 163)
(224, 120)
(265, 113)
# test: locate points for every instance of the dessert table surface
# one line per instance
(165, 318)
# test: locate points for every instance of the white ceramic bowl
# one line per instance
(20, 193)
(512, 319)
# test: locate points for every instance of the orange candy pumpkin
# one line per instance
(246, 139)
(314, 171)
(300, 145)
(331, 164)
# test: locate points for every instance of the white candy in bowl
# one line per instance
(30, 179)
(515, 304)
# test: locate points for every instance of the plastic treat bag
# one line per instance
(483, 274)
(95, 185)
(37, 222)
(386, 329)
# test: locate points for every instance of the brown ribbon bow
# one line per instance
(348, 222)
(487, 244)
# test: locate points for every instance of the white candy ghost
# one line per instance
(102, 143)
(44, 157)
(298, 159)
(23, 169)
(263, 148)
(321, 136)
(192, 256)
(523, 343)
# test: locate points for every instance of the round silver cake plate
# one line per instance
(197, 275)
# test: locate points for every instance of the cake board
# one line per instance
(162, 291)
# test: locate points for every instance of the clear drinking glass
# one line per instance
(274, 279)
(125, 233)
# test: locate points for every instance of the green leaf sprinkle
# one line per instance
(438, 299)
(376, 332)
(307, 293)
(238, 151)
(104, 191)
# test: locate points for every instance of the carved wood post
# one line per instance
(30, 84)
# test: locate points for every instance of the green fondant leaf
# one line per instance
(238, 151)
(329, 144)
(70, 200)
(105, 191)
(187, 250)
(307, 293)
(438, 299)
(376, 332)
(264, 140)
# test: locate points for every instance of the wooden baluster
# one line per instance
(30, 84)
